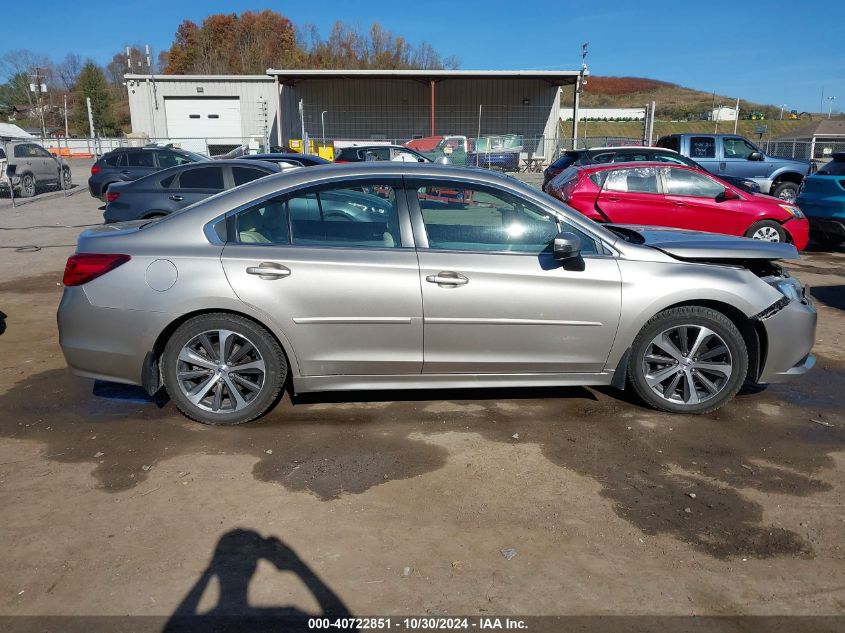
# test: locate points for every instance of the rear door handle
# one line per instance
(447, 278)
(124, 172)
(177, 198)
(269, 270)
(722, 166)
(678, 203)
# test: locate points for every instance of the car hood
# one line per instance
(695, 245)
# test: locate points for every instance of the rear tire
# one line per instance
(689, 359)
(767, 231)
(28, 186)
(786, 191)
(67, 180)
(230, 386)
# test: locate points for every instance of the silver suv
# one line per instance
(29, 166)
(412, 275)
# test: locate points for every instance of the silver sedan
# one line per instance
(411, 276)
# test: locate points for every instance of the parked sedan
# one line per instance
(677, 196)
(822, 199)
(130, 163)
(226, 302)
(364, 153)
(629, 154)
(169, 190)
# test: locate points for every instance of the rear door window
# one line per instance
(633, 180)
(140, 159)
(202, 178)
(363, 216)
(265, 223)
(113, 159)
(670, 142)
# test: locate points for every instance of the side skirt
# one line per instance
(304, 384)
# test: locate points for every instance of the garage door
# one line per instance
(200, 118)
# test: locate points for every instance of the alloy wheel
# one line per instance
(766, 234)
(28, 185)
(687, 364)
(220, 371)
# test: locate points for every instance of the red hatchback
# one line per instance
(678, 196)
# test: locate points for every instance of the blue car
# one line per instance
(822, 199)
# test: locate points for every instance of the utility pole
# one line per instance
(736, 115)
(782, 106)
(39, 88)
(90, 121)
(67, 133)
(579, 86)
(830, 101)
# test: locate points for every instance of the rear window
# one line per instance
(670, 142)
(564, 161)
(836, 167)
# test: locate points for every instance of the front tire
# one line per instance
(689, 359)
(223, 369)
(786, 191)
(67, 180)
(766, 231)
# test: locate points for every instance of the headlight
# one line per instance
(789, 287)
(792, 210)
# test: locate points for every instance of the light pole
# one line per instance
(782, 106)
(830, 101)
(323, 126)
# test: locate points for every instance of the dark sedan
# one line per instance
(169, 190)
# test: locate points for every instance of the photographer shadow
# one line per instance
(234, 563)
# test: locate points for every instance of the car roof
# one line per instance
(636, 163)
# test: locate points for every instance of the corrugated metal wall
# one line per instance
(398, 109)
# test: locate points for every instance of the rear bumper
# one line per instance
(106, 343)
(790, 334)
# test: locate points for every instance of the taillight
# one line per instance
(95, 169)
(111, 196)
(82, 268)
(566, 190)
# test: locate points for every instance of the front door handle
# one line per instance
(447, 278)
(177, 198)
(678, 203)
(269, 270)
(722, 166)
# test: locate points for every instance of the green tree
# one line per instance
(92, 83)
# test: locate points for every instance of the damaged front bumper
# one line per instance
(790, 332)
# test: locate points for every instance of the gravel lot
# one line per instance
(401, 502)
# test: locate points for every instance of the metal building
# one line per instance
(202, 112)
(350, 105)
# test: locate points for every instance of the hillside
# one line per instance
(634, 129)
(674, 102)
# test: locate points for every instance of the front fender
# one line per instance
(651, 287)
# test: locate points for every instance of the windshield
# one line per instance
(194, 156)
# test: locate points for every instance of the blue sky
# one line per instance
(772, 52)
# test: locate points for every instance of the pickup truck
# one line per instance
(736, 156)
(500, 153)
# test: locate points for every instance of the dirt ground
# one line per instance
(402, 502)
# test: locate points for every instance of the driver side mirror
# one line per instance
(727, 194)
(755, 156)
(566, 246)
